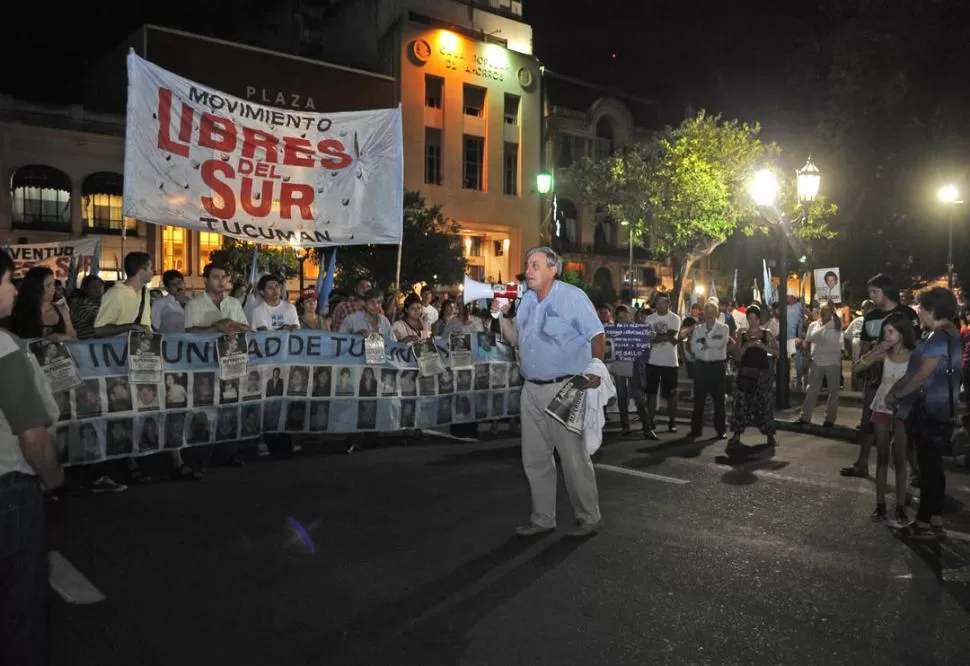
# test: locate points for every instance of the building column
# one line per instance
(76, 223)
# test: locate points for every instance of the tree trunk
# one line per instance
(682, 265)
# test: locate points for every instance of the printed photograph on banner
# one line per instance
(272, 415)
(346, 381)
(63, 400)
(253, 386)
(366, 414)
(481, 405)
(427, 413)
(427, 385)
(406, 415)
(322, 381)
(147, 434)
(460, 349)
(445, 406)
(144, 357)
(228, 391)
(498, 404)
(481, 377)
(515, 379)
(499, 372)
(119, 394)
(428, 356)
(493, 348)
(174, 429)
(62, 440)
(251, 419)
(446, 381)
(368, 383)
(176, 393)
(298, 381)
(120, 437)
(274, 382)
(514, 401)
(146, 397)
(463, 409)
(59, 366)
(87, 446)
(203, 389)
(227, 424)
(388, 382)
(343, 416)
(828, 284)
(374, 350)
(388, 415)
(319, 415)
(463, 380)
(87, 399)
(296, 414)
(408, 381)
(201, 427)
(232, 351)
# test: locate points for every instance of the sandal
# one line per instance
(854, 471)
(186, 473)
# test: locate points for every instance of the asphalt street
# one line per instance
(406, 556)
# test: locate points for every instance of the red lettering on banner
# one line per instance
(211, 169)
(253, 139)
(262, 206)
(217, 133)
(165, 124)
(297, 152)
(296, 194)
(334, 153)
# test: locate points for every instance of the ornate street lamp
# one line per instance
(949, 196)
(544, 182)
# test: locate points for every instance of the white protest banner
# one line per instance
(55, 256)
(196, 157)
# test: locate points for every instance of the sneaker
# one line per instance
(584, 528)
(879, 515)
(671, 427)
(531, 529)
(650, 434)
(262, 450)
(107, 485)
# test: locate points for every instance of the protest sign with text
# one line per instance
(199, 158)
(55, 256)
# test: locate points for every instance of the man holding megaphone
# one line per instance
(558, 334)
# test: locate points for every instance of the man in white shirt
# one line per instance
(709, 341)
(273, 314)
(168, 312)
(369, 320)
(429, 313)
(663, 366)
(213, 311)
(824, 338)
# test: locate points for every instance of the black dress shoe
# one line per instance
(720, 435)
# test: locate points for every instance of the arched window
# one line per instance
(605, 234)
(567, 224)
(101, 204)
(604, 137)
(41, 198)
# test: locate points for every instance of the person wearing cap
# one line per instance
(310, 319)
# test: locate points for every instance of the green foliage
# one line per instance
(430, 249)
(236, 257)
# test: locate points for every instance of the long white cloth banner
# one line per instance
(55, 256)
(199, 158)
(172, 391)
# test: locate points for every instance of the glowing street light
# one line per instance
(948, 194)
(544, 182)
(808, 180)
(764, 188)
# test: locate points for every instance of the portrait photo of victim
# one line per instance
(409, 382)
(272, 411)
(368, 383)
(176, 397)
(322, 382)
(446, 381)
(200, 429)
(444, 409)
(89, 444)
(481, 376)
(499, 377)
(203, 389)
(63, 400)
(426, 385)
(515, 379)
(481, 405)
(119, 394)
(120, 437)
(345, 382)
(146, 397)
(228, 391)
(388, 382)
(274, 385)
(299, 376)
(367, 415)
(464, 380)
(407, 413)
(147, 434)
(174, 430)
(87, 399)
(463, 408)
(296, 416)
(253, 385)
(251, 421)
(319, 415)
(227, 422)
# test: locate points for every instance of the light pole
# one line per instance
(949, 195)
(629, 269)
(764, 190)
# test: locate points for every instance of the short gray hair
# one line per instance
(552, 259)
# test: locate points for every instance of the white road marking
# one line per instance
(70, 583)
(642, 475)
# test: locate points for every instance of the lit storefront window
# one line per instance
(173, 249)
(209, 242)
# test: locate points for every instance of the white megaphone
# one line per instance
(474, 290)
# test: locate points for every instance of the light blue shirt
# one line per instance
(554, 335)
(358, 322)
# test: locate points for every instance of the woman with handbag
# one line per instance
(754, 394)
(926, 396)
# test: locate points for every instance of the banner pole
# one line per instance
(397, 276)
